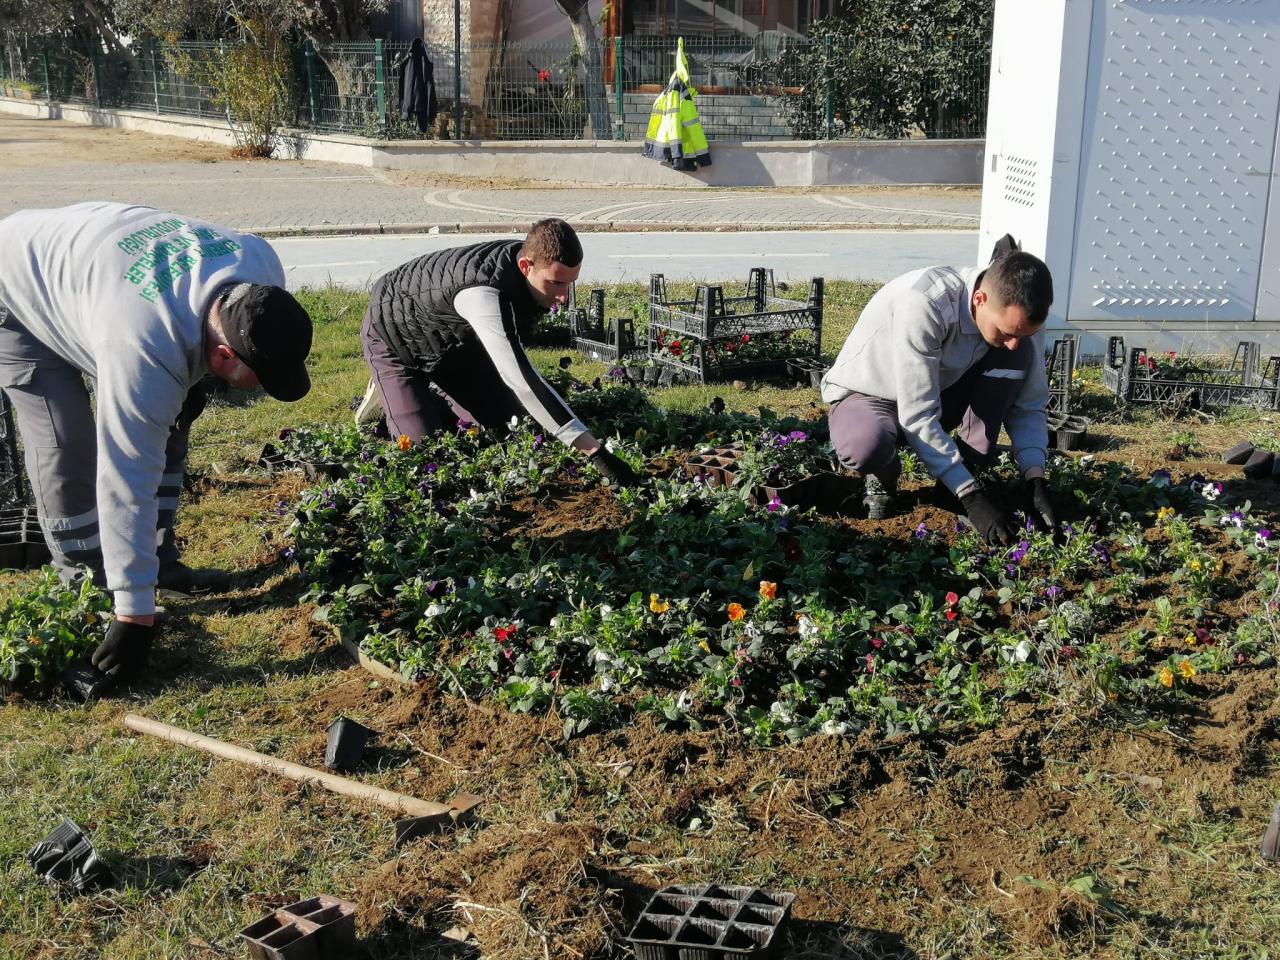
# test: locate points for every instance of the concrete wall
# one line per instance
(724, 116)
(790, 163)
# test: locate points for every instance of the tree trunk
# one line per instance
(584, 35)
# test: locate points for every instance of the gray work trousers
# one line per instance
(54, 414)
(865, 430)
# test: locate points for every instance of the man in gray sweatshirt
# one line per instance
(940, 349)
(142, 304)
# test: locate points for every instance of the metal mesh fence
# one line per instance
(764, 87)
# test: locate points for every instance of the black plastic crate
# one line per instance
(1061, 368)
(13, 488)
(712, 329)
(1134, 377)
(608, 341)
(710, 922)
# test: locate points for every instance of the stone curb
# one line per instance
(590, 226)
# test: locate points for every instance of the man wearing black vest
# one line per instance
(443, 338)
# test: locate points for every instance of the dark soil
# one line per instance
(575, 835)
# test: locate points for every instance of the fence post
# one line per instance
(3, 54)
(155, 76)
(828, 106)
(380, 81)
(44, 67)
(620, 127)
(309, 54)
(97, 79)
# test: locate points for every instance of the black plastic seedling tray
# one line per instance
(318, 928)
(710, 922)
(22, 545)
(827, 492)
(66, 857)
(1067, 430)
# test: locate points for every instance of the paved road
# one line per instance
(877, 255)
(48, 163)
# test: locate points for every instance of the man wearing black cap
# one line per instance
(143, 304)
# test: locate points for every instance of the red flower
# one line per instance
(544, 76)
(676, 348)
(746, 338)
(502, 633)
(951, 614)
(952, 598)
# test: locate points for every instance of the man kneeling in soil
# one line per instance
(942, 348)
(143, 304)
(443, 338)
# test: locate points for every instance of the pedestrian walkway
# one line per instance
(49, 163)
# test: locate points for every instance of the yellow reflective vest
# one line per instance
(675, 134)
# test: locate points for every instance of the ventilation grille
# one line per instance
(1020, 181)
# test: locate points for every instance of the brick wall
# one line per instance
(724, 116)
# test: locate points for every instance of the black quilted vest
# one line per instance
(411, 308)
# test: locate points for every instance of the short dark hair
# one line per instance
(552, 241)
(1021, 279)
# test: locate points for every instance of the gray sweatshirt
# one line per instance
(121, 292)
(915, 338)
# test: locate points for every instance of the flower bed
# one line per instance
(47, 626)
(501, 568)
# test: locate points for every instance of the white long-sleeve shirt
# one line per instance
(482, 308)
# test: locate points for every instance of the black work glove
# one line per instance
(1042, 504)
(614, 468)
(125, 649)
(992, 523)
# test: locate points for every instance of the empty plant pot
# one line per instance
(346, 744)
(67, 857)
(82, 679)
(1239, 453)
(1259, 464)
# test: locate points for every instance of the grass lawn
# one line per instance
(1064, 830)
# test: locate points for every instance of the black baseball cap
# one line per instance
(271, 333)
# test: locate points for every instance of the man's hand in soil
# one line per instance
(1042, 505)
(125, 649)
(993, 524)
(615, 469)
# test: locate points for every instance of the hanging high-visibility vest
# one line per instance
(675, 134)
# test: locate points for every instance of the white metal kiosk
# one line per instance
(1132, 144)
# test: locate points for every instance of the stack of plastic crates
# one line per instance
(714, 337)
(1137, 376)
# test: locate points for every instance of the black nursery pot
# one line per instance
(346, 744)
(1239, 453)
(86, 681)
(1259, 464)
